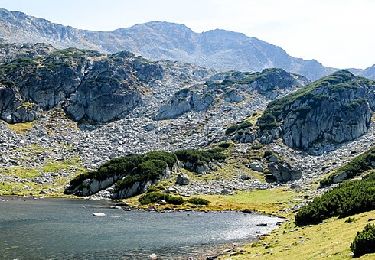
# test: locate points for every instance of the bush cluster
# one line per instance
(131, 168)
(349, 198)
(236, 127)
(198, 156)
(153, 197)
(355, 167)
(364, 242)
(198, 201)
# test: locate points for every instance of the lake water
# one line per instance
(67, 229)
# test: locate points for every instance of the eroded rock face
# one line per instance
(230, 87)
(184, 101)
(333, 110)
(282, 172)
(88, 85)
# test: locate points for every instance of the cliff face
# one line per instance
(231, 87)
(88, 85)
(333, 110)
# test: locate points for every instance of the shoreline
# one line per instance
(200, 251)
(128, 207)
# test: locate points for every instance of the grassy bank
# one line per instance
(276, 201)
(330, 239)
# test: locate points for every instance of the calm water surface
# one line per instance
(66, 229)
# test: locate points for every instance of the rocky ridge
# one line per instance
(333, 110)
(218, 49)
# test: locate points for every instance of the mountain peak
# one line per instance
(218, 49)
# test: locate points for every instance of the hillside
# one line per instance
(218, 49)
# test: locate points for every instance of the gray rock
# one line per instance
(282, 172)
(182, 179)
(256, 166)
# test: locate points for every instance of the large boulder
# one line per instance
(182, 179)
(282, 172)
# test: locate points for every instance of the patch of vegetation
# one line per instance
(349, 198)
(328, 240)
(154, 197)
(247, 123)
(21, 172)
(364, 242)
(270, 201)
(197, 156)
(133, 168)
(21, 128)
(30, 188)
(236, 127)
(355, 167)
(198, 201)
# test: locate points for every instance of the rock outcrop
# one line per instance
(333, 110)
(88, 85)
(230, 87)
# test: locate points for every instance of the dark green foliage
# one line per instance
(236, 127)
(349, 198)
(199, 156)
(225, 145)
(355, 167)
(133, 168)
(154, 197)
(198, 201)
(349, 220)
(169, 158)
(364, 242)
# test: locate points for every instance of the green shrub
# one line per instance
(349, 198)
(154, 197)
(131, 168)
(225, 145)
(355, 167)
(197, 156)
(239, 126)
(364, 242)
(198, 201)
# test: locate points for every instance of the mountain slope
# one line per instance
(218, 49)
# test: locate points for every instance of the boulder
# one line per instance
(256, 166)
(282, 172)
(182, 179)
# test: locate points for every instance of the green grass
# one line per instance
(21, 172)
(271, 201)
(330, 239)
(30, 188)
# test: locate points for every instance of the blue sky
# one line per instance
(338, 33)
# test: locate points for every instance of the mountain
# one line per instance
(218, 49)
(369, 72)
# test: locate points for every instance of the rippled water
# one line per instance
(66, 229)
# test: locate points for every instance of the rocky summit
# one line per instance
(332, 110)
(218, 49)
